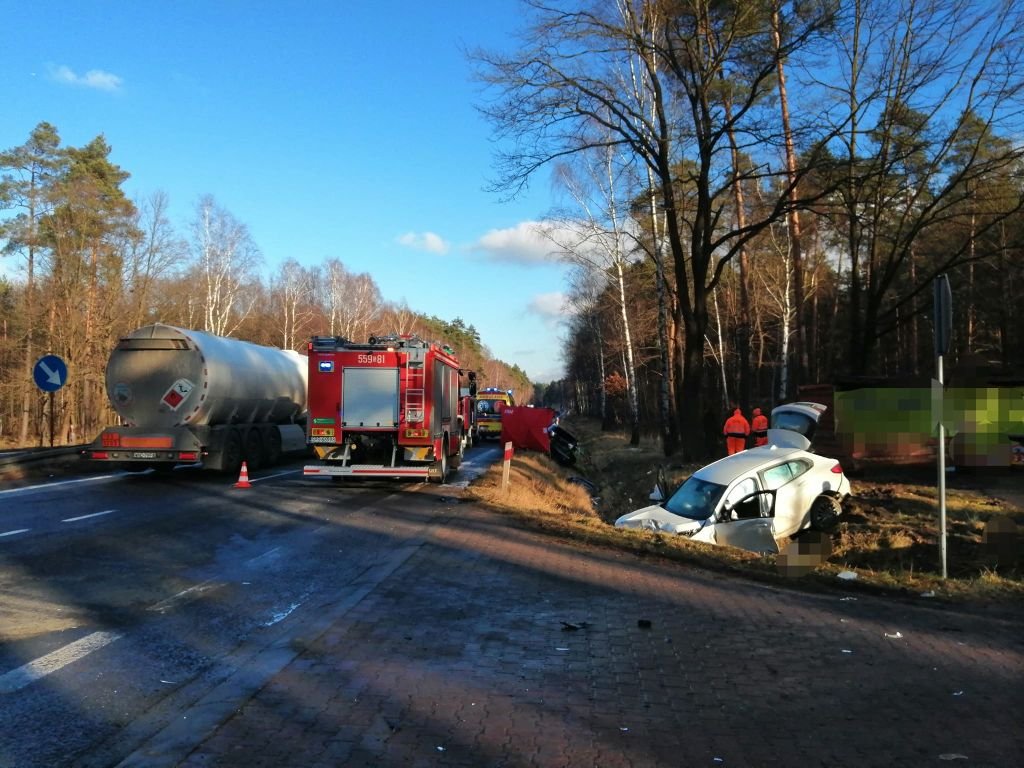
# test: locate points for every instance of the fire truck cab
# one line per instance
(387, 408)
(490, 402)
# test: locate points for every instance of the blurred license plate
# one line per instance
(144, 455)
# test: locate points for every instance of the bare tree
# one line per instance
(563, 94)
(600, 244)
(292, 292)
(225, 258)
(158, 253)
(353, 301)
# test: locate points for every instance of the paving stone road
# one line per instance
(491, 645)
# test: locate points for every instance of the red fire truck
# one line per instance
(387, 408)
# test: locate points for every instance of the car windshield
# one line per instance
(695, 499)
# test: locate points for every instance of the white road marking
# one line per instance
(47, 486)
(13, 533)
(277, 474)
(268, 553)
(281, 615)
(185, 595)
(86, 517)
(27, 674)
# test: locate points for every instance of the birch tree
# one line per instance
(292, 292)
(563, 94)
(225, 261)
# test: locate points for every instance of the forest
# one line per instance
(760, 196)
(763, 194)
(93, 265)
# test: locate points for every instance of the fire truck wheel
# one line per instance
(439, 469)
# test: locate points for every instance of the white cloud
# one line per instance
(551, 307)
(524, 243)
(547, 242)
(424, 241)
(94, 78)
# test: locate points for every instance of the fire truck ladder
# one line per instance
(415, 401)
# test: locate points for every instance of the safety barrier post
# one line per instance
(507, 467)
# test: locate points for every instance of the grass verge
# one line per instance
(888, 536)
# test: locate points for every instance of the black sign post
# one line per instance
(943, 312)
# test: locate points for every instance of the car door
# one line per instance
(794, 493)
(744, 518)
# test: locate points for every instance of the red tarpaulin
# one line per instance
(524, 427)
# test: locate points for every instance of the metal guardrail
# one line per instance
(32, 455)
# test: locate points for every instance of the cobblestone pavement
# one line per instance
(491, 645)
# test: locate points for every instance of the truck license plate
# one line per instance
(144, 455)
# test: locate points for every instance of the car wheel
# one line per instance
(825, 513)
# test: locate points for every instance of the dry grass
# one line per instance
(889, 534)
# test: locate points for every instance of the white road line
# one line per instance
(185, 595)
(47, 486)
(18, 678)
(281, 615)
(268, 553)
(86, 517)
(277, 474)
(13, 533)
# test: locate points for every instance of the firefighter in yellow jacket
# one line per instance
(736, 430)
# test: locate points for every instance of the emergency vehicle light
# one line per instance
(417, 433)
(322, 431)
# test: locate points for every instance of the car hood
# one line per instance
(657, 518)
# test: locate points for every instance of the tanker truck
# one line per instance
(188, 397)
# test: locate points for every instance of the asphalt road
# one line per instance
(179, 621)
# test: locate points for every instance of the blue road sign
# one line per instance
(50, 373)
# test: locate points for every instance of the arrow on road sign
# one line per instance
(51, 375)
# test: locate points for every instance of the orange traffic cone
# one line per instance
(243, 478)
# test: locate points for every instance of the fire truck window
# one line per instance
(484, 406)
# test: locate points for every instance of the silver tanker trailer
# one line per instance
(191, 397)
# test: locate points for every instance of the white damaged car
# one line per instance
(755, 497)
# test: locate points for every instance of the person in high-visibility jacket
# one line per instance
(736, 430)
(759, 428)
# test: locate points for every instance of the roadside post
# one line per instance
(50, 374)
(943, 312)
(507, 466)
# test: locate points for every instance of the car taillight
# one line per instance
(837, 469)
(101, 455)
(111, 439)
(188, 456)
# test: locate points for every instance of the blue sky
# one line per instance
(332, 129)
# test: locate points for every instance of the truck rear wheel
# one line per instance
(231, 459)
(271, 446)
(253, 449)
